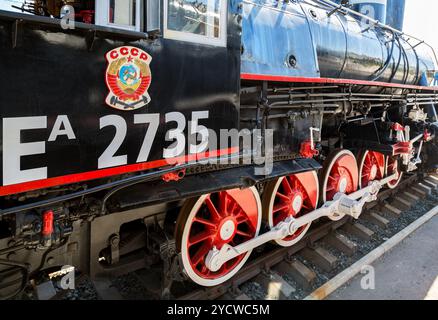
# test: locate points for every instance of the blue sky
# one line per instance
(421, 20)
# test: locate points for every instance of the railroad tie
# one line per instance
(320, 258)
(410, 196)
(391, 210)
(275, 286)
(401, 203)
(433, 184)
(341, 243)
(433, 178)
(418, 191)
(302, 274)
(359, 230)
(425, 188)
(376, 219)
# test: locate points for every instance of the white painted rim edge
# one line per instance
(184, 254)
(270, 217)
(392, 187)
(340, 153)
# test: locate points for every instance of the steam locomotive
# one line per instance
(183, 134)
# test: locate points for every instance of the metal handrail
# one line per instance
(379, 24)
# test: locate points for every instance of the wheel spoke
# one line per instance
(243, 234)
(280, 207)
(330, 194)
(199, 233)
(223, 202)
(205, 222)
(234, 207)
(200, 254)
(286, 185)
(213, 211)
(282, 196)
(280, 216)
(296, 184)
(199, 238)
(242, 219)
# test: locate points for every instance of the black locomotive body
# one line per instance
(157, 137)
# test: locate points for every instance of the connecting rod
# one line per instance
(342, 205)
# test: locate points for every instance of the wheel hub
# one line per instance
(291, 196)
(213, 220)
(297, 203)
(227, 230)
(343, 184)
(373, 172)
(340, 175)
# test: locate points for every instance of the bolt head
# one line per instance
(11, 256)
(115, 240)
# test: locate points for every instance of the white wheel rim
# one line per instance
(340, 154)
(184, 254)
(389, 184)
(282, 242)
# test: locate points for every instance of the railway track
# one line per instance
(295, 272)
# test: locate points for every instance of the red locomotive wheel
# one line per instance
(371, 167)
(213, 220)
(392, 166)
(290, 196)
(340, 175)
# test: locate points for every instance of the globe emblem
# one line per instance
(129, 74)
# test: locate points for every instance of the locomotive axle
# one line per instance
(342, 205)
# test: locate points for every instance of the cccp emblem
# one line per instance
(128, 78)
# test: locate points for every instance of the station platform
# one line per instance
(408, 272)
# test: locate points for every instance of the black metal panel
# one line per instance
(49, 72)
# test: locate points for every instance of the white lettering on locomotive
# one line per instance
(62, 122)
(14, 149)
(184, 137)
